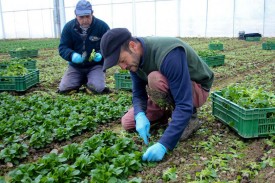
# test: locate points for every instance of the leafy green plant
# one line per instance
(23, 173)
(83, 163)
(122, 71)
(71, 151)
(170, 174)
(15, 69)
(129, 163)
(41, 138)
(14, 152)
(105, 173)
(215, 42)
(207, 53)
(65, 173)
(46, 164)
(208, 174)
(249, 98)
(92, 56)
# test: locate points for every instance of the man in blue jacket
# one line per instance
(176, 78)
(80, 46)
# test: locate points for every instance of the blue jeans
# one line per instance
(74, 78)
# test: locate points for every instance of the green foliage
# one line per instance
(122, 71)
(44, 118)
(249, 98)
(106, 164)
(15, 69)
(207, 53)
(71, 151)
(14, 152)
(92, 56)
(270, 41)
(20, 49)
(41, 138)
(170, 174)
(215, 42)
(7, 45)
(105, 173)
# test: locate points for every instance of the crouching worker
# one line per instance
(174, 77)
(80, 46)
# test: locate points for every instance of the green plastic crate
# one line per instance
(248, 123)
(215, 46)
(123, 81)
(253, 38)
(213, 61)
(268, 46)
(19, 83)
(30, 64)
(24, 53)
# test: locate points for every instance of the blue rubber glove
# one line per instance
(154, 153)
(97, 57)
(142, 126)
(77, 58)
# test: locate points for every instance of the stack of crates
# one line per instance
(19, 83)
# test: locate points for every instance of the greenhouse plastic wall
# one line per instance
(181, 18)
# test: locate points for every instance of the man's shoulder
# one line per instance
(70, 24)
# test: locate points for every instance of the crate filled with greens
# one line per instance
(123, 80)
(23, 52)
(211, 58)
(268, 45)
(26, 62)
(15, 77)
(249, 111)
(215, 45)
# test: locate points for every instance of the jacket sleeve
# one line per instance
(175, 69)
(66, 43)
(139, 94)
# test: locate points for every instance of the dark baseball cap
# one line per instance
(83, 8)
(110, 45)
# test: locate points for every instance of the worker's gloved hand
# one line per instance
(77, 58)
(97, 57)
(154, 153)
(142, 126)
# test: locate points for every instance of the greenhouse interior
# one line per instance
(90, 91)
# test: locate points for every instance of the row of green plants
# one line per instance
(105, 157)
(8, 45)
(37, 120)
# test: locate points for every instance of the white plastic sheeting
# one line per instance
(184, 18)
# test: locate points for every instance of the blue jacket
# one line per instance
(71, 41)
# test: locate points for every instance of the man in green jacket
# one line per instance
(171, 73)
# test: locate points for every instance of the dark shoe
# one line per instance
(67, 92)
(193, 125)
(106, 90)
